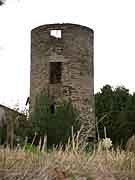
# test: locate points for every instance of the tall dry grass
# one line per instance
(73, 163)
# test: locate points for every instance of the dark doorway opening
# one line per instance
(55, 72)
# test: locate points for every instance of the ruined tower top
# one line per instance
(63, 26)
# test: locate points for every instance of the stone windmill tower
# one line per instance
(62, 65)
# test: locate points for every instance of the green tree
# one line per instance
(121, 99)
(104, 101)
(116, 108)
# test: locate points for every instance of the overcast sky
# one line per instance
(113, 22)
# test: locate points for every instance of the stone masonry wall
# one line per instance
(9, 119)
(75, 50)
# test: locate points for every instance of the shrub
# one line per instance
(55, 125)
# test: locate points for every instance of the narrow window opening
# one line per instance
(55, 72)
(52, 109)
(56, 33)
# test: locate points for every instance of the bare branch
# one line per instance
(2, 2)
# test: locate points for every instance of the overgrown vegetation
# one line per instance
(115, 110)
(54, 122)
(73, 163)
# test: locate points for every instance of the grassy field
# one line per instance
(71, 164)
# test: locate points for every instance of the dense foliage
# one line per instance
(115, 110)
(56, 124)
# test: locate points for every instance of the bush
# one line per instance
(54, 123)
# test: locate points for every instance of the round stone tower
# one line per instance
(62, 66)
